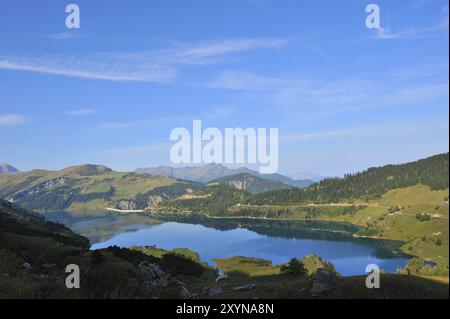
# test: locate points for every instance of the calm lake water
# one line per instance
(277, 241)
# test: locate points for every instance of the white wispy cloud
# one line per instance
(151, 66)
(12, 119)
(312, 98)
(113, 68)
(80, 112)
(218, 112)
(385, 33)
(142, 123)
(241, 80)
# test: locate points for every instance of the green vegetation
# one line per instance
(370, 184)
(89, 188)
(34, 254)
(211, 200)
(293, 267)
(250, 183)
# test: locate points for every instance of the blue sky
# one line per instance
(344, 97)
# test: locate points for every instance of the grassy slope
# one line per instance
(104, 185)
(26, 237)
(420, 237)
(269, 283)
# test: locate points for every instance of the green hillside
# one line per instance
(89, 188)
(250, 183)
(34, 254)
(372, 183)
(210, 200)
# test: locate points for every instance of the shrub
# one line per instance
(180, 264)
(423, 217)
(294, 267)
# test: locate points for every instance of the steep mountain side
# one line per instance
(372, 183)
(18, 221)
(249, 183)
(34, 254)
(89, 188)
(213, 200)
(6, 168)
(210, 172)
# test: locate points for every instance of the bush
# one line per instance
(294, 267)
(180, 264)
(423, 217)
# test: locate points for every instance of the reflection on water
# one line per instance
(277, 241)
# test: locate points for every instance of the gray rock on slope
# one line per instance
(324, 281)
(152, 275)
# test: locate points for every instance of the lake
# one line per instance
(277, 241)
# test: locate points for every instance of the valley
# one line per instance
(400, 211)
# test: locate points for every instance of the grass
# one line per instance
(269, 283)
(245, 266)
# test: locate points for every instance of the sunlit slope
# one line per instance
(86, 187)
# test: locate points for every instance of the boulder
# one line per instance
(126, 205)
(185, 293)
(152, 275)
(211, 291)
(324, 281)
(244, 287)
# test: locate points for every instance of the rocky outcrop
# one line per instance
(154, 200)
(185, 293)
(211, 291)
(324, 281)
(126, 205)
(152, 275)
(245, 287)
(53, 183)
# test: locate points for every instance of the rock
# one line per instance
(154, 200)
(214, 291)
(244, 287)
(152, 275)
(211, 291)
(324, 281)
(185, 293)
(222, 275)
(126, 205)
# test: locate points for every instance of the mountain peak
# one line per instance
(87, 170)
(7, 168)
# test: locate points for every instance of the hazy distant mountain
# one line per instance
(207, 173)
(250, 183)
(307, 175)
(6, 168)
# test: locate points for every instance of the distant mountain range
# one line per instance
(89, 188)
(6, 168)
(96, 188)
(250, 183)
(304, 175)
(210, 172)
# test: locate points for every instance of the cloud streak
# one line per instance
(151, 66)
(80, 112)
(11, 119)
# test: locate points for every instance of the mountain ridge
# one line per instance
(6, 168)
(213, 171)
(250, 183)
